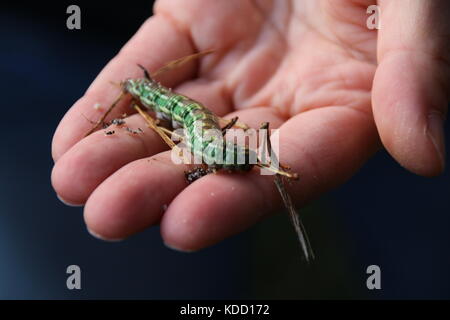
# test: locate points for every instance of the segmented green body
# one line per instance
(196, 119)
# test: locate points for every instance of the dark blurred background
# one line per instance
(383, 216)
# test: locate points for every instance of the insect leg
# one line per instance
(103, 117)
(164, 133)
(152, 124)
(229, 125)
(295, 218)
(146, 73)
(237, 124)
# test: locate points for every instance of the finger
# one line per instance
(411, 85)
(144, 48)
(80, 170)
(325, 146)
(131, 198)
(216, 207)
(134, 197)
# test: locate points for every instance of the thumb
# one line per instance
(411, 87)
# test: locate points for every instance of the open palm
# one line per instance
(310, 68)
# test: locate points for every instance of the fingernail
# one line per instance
(177, 249)
(97, 236)
(68, 203)
(435, 131)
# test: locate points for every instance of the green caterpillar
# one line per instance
(196, 119)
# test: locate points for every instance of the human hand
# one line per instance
(310, 68)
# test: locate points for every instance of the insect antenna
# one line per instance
(295, 219)
(179, 62)
(293, 214)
